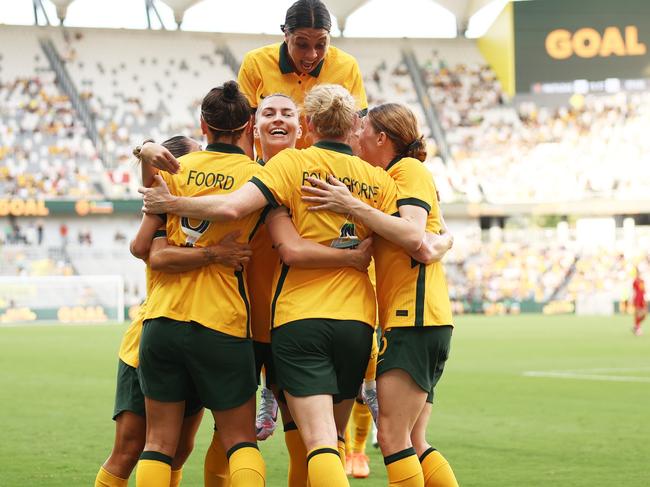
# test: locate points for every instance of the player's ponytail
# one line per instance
(226, 111)
(331, 109)
(179, 145)
(311, 14)
(401, 127)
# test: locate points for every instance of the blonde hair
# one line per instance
(331, 109)
(400, 125)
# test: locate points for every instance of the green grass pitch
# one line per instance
(525, 401)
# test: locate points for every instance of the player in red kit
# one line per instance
(640, 306)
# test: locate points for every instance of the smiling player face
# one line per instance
(307, 47)
(277, 125)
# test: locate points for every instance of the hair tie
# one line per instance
(223, 130)
(413, 145)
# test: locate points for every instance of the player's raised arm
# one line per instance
(141, 243)
(406, 231)
(232, 206)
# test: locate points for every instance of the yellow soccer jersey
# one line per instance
(343, 293)
(410, 293)
(131, 339)
(214, 296)
(260, 272)
(268, 70)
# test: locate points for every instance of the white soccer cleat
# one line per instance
(370, 398)
(267, 416)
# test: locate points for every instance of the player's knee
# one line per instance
(391, 438)
(128, 455)
(182, 453)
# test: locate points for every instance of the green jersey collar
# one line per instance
(223, 147)
(285, 63)
(335, 146)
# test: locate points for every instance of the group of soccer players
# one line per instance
(264, 265)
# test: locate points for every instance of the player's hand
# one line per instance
(362, 255)
(230, 253)
(159, 157)
(157, 199)
(434, 247)
(333, 196)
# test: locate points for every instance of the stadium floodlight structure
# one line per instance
(179, 7)
(61, 8)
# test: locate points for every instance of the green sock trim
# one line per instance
(424, 455)
(321, 451)
(400, 455)
(157, 456)
(239, 446)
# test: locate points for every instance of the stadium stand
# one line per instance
(591, 147)
(43, 146)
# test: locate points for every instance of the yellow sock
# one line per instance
(106, 479)
(154, 470)
(371, 368)
(247, 467)
(362, 421)
(436, 469)
(348, 436)
(325, 468)
(341, 444)
(297, 476)
(176, 477)
(215, 467)
(404, 469)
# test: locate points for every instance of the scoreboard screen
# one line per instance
(581, 46)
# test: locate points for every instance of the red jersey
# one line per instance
(639, 292)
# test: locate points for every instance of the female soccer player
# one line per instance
(321, 318)
(640, 306)
(276, 128)
(414, 307)
(305, 59)
(188, 341)
(129, 412)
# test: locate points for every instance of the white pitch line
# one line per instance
(571, 375)
(608, 369)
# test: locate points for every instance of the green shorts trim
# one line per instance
(321, 356)
(420, 351)
(129, 396)
(180, 357)
(264, 358)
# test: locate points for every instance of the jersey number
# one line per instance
(193, 232)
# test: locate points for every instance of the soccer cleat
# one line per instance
(370, 398)
(267, 416)
(637, 331)
(360, 466)
(348, 465)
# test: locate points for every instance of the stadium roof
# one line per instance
(429, 12)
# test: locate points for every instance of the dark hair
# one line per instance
(178, 145)
(225, 110)
(401, 126)
(312, 14)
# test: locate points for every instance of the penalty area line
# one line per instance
(578, 376)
